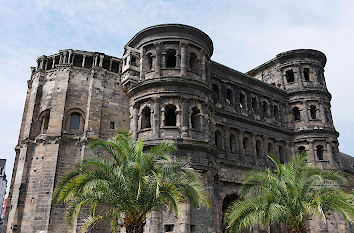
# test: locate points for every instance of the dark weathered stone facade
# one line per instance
(167, 87)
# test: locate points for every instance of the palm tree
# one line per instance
(128, 184)
(291, 195)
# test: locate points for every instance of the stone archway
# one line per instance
(227, 202)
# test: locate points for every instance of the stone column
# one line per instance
(83, 60)
(101, 60)
(134, 119)
(322, 113)
(185, 118)
(158, 60)
(156, 118)
(253, 149)
(184, 63)
(242, 149)
(305, 111)
(142, 64)
(227, 142)
(329, 152)
(184, 219)
(311, 152)
(299, 77)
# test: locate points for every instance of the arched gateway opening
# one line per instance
(228, 201)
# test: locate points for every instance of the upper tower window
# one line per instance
(290, 78)
(265, 108)
(193, 62)
(195, 118)
(75, 121)
(246, 146)
(149, 61)
(170, 115)
(146, 118)
(133, 61)
(296, 113)
(232, 142)
(307, 74)
(258, 148)
(242, 101)
(171, 58)
(301, 149)
(281, 155)
(218, 139)
(229, 96)
(313, 112)
(319, 152)
(270, 149)
(254, 104)
(216, 90)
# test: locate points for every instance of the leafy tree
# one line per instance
(128, 184)
(291, 195)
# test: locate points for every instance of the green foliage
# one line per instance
(129, 183)
(291, 195)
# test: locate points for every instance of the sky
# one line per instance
(245, 34)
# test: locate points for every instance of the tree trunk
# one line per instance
(134, 227)
(299, 229)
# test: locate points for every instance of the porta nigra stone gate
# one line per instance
(166, 86)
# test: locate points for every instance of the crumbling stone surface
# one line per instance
(166, 87)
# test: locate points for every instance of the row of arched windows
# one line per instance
(247, 147)
(319, 149)
(171, 60)
(313, 113)
(261, 107)
(170, 117)
(74, 122)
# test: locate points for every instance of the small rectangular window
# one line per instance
(169, 228)
(307, 74)
(111, 125)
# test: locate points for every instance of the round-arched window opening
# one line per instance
(171, 58)
(146, 118)
(218, 139)
(193, 62)
(296, 113)
(229, 96)
(216, 90)
(195, 118)
(242, 101)
(313, 112)
(149, 61)
(319, 152)
(75, 121)
(170, 115)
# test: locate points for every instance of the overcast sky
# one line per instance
(245, 35)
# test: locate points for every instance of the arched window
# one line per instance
(290, 76)
(319, 152)
(296, 113)
(307, 74)
(313, 112)
(232, 142)
(301, 149)
(171, 58)
(218, 139)
(146, 118)
(270, 149)
(45, 122)
(78, 60)
(258, 148)
(254, 104)
(281, 155)
(229, 96)
(276, 112)
(75, 121)
(170, 115)
(242, 101)
(193, 62)
(195, 118)
(216, 90)
(149, 61)
(246, 146)
(265, 108)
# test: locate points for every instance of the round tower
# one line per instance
(165, 73)
(302, 76)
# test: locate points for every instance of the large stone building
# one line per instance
(167, 87)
